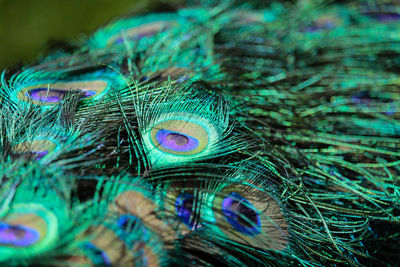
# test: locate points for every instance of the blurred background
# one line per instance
(28, 27)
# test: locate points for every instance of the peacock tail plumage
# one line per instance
(224, 133)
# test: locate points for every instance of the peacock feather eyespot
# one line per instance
(27, 229)
(22, 230)
(184, 209)
(193, 132)
(241, 214)
(53, 93)
(128, 223)
(48, 88)
(179, 137)
(96, 255)
(141, 31)
(138, 208)
(244, 213)
(105, 247)
(181, 205)
(184, 136)
(39, 148)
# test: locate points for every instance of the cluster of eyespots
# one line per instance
(37, 148)
(53, 93)
(241, 214)
(139, 32)
(17, 235)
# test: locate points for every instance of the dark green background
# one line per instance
(28, 26)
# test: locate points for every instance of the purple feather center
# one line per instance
(49, 95)
(176, 141)
(184, 208)
(17, 235)
(241, 214)
(384, 16)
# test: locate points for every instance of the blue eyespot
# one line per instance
(127, 222)
(241, 214)
(183, 208)
(40, 154)
(128, 225)
(96, 255)
(49, 95)
(17, 235)
(383, 16)
(176, 141)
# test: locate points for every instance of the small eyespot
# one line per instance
(241, 214)
(96, 255)
(250, 215)
(127, 222)
(179, 137)
(17, 235)
(140, 32)
(383, 16)
(183, 208)
(49, 95)
(37, 148)
(53, 93)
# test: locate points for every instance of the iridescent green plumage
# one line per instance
(222, 134)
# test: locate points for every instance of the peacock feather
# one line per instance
(222, 133)
(36, 219)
